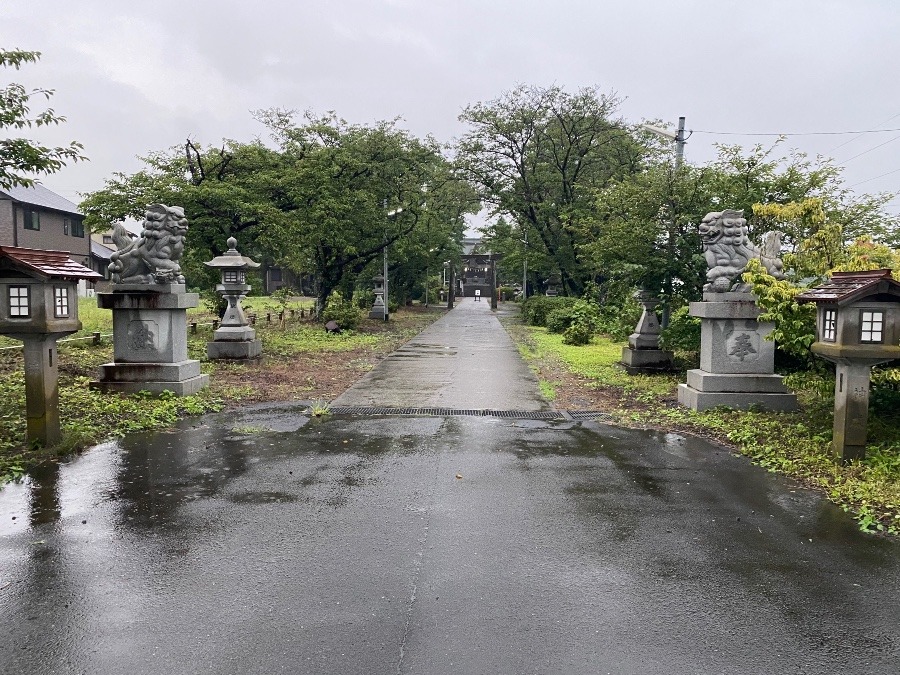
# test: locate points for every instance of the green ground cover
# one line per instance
(795, 444)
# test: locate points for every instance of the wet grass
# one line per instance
(794, 444)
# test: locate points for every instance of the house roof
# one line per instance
(38, 195)
(46, 264)
(846, 287)
(101, 251)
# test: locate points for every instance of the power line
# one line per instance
(798, 133)
(874, 178)
(864, 152)
(881, 124)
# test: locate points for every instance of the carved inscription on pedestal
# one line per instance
(742, 346)
(142, 335)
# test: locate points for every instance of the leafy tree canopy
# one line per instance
(19, 156)
(325, 201)
(536, 155)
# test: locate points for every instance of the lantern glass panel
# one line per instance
(231, 277)
(19, 301)
(871, 326)
(829, 325)
(60, 302)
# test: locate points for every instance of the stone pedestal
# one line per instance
(234, 339)
(737, 363)
(230, 342)
(378, 308)
(643, 355)
(150, 340)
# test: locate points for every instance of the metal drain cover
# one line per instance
(578, 415)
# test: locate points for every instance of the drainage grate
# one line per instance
(474, 412)
(590, 415)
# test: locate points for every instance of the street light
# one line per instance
(677, 136)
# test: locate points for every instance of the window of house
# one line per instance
(31, 220)
(829, 325)
(66, 223)
(60, 302)
(19, 301)
(871, 326)
(78, 228)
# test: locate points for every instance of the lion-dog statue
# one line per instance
(153, 257)
(728, 249)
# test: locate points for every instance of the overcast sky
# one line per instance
(134, 77)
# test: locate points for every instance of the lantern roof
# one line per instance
(231, 259)
(846, 287)
(44, 265)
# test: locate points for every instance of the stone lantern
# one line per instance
(234, 339)
(39, 305)
(553, 284)
(643, 355)
(378, 307)
(857, 327)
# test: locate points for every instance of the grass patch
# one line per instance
(794, 444)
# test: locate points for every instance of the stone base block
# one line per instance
(234, 334)
(377, 313)
(704, 400)
(181, 378)
(249, 349)
(146, 372)
(646, 360)
(746, 383)
(183, 388)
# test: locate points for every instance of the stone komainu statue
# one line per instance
(153, 257)
(728, 249)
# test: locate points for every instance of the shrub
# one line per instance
(584, 318)
(345, 314)
(795, 324)
(559, 319)
(536, 308)
(682, 333)
(507, 293)
(364, 299)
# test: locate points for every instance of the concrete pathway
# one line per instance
(465, 359)
(263, 542)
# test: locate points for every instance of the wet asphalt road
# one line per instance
(265, 542)
(348, 545)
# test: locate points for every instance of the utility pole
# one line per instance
(679, 144)
(525, 267)
(679, 139)
(386, 311)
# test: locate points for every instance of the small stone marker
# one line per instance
(332, 327)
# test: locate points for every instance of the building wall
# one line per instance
(52, 234)
(6, 223)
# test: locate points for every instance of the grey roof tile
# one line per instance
(38, 195)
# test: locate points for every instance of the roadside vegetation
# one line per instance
(794, 444)
(301, 361)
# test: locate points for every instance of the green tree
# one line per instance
(318, 203)
(349, 191)
(537, 155)
(22, 156)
